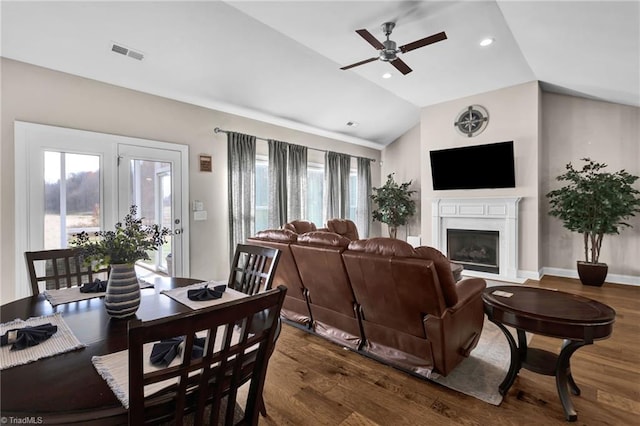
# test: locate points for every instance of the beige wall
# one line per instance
(402, 157)
(549, 130)
(39, 95)
(574, 128)
(513, 116)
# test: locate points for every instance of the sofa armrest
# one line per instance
(468, 289)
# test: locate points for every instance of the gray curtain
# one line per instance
(297, 182)
(277, 184)
(241, 153)
(336, 170)
(363, 206)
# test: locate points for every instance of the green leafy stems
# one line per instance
(131, 241)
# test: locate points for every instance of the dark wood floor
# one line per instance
(313, 382)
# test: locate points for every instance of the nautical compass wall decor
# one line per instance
(472, 120)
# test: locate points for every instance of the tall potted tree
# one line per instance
(594, 203)
(395, 206)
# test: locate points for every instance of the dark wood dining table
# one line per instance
(66, 388)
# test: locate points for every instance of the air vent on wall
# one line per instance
(117, 48)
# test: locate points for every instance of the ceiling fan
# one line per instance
(389, 51)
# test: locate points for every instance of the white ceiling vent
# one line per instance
(118, 48)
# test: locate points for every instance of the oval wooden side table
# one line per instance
(577, 320)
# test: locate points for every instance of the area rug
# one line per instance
(481, 374)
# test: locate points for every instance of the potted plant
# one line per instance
(395, 206)
(594, 203)
(120, 250)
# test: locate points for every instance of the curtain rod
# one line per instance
(219, 130)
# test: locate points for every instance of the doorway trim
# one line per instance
(29, 135)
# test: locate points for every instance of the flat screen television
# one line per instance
(474, 167)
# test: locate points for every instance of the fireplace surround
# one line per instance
(496, 214)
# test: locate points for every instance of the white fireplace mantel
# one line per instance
(482, 214)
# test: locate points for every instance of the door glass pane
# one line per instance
(151, 192)
(72, 196)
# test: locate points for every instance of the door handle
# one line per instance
(177, 231)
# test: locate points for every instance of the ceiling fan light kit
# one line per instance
(388, 50)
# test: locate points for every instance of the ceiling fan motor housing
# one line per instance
(389, 52)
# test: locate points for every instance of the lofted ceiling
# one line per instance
(279, 61)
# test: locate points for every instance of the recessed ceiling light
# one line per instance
(386, 75)
(486, 42)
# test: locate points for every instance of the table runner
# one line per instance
(180, 294)
(73, 294)
(62, 341)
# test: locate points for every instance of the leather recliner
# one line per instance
(414, 315)
(295, 306)
(332, 304)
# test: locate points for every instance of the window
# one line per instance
(315, 193)
(71, 196)
(262, 194)
(353, 194)
(315, 208)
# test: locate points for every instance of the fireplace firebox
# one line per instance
(476, 250)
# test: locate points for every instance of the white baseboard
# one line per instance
(572, 273)
(494, 277)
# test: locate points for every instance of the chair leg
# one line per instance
(261, 406)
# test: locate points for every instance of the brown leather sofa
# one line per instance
(382, 298)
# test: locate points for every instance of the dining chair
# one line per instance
(233, 354)
(253, 268)
(57, 268)
(252, 271)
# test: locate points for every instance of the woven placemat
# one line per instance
(62, 341)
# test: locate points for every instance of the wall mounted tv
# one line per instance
(474, 167)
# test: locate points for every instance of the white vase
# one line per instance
(122, 298)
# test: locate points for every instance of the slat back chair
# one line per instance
(58, 269)
(236, 352)
(253, 268)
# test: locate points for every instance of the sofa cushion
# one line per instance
(323, 238)
(443, 269)
(344, 227)
(300, 226)
(383, 246)
(282, 235)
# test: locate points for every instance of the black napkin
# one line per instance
(205, 293)
(166, 350)
(97, 286)
(21, 338)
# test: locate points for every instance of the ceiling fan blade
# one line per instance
(401, 66)
(423, 42)
(366, 61)
(371, 39)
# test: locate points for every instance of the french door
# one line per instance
(68, 181)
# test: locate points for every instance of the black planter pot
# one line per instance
(592, 273)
